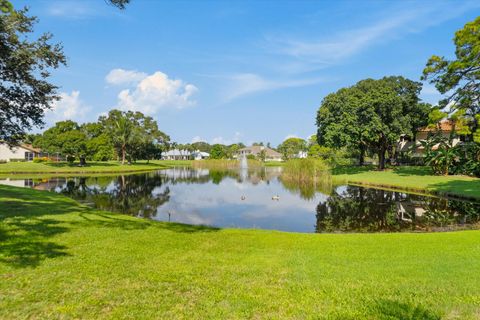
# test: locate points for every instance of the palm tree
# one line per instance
(123, 134)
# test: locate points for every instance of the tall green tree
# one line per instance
(26, 63)
(218, 151)
(371, 116)
(65, 138)
(134, 135)
(459, 78)
(291, 147)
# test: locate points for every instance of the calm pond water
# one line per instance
(260, 199)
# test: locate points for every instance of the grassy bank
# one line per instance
(91, 167)
(62, 260)
(411, 178)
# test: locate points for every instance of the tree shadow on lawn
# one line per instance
(351, 169)
(413, 171)
(393, 310)
(30, 220)
(465, 188)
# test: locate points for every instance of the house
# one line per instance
(444, 128)
(184, 155)
(270, 155)
(23, 152)
(199, 155)
(301, 155)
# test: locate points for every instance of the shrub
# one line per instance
(40, 160)
(305, 169)
(3, 161)
(70, 159)
(18, 160)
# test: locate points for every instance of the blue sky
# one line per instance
(229, 71)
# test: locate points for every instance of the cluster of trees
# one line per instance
(128, 136)
(216, 151)
(369, 117)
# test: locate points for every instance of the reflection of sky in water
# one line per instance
(243, 199)
(222, 205)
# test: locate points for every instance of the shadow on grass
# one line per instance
(465, 188)
(413, 171)
(393, 310)
(30, 222)
(351, 169)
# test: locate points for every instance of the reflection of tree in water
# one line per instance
(137, 195)
(360, 209)
(307, 189)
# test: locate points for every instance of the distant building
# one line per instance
(301, 155)
(270, 155)
(444, 128)
(184, 155)
(22, 152)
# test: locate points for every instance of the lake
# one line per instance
(259, 199)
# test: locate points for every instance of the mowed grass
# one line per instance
(410, 178)
(62, 260)
(91, 167)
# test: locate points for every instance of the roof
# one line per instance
(177, 152)
(443, 125)
(25, 146)
(30, 148)
(257, 149)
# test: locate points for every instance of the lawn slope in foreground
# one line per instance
(62, 260)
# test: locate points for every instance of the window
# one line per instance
(29, 156)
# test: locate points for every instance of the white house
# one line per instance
(270, 154)
(21, 152)
(184, 155)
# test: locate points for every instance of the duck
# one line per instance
(277, 197)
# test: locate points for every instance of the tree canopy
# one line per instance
(25, 67)
(459, 78)
(371, 116)
(291, 147)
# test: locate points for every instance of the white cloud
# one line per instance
(69, 107)
(121, 76)
(71, 9)
(249, 83)
(197, 139)
(309, 53)
(153, 92)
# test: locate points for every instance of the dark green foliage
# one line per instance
(134, 135)
(218, 151)
(25, 65)
(459, 79)
(291, 147)
(371, 115)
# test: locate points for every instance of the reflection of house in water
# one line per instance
(185, 173)
(49, 184)
(408, 211)
(17, 182)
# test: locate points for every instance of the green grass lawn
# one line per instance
(62, 260)
(411, 178)
(91, 167)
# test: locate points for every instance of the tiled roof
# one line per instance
(443, 125)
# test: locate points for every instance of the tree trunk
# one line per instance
(361, 158)
(381, 158)
(123, 154)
